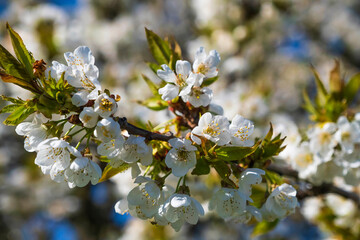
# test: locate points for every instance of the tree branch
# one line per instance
(124, 125)
(313, 190)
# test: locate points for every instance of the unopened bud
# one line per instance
(39, 68)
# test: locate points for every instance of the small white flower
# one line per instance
(143, 199)
(175, 81)
(322, 141)
(281, 202)
(247, 215)
(105, 106)
(215, 129)
(194, 94)
(248, 178)
(112, 148)
(34, 133)
(179, 208)
(228, 203)
(135, 149)
(107, 129)
(84, 75)
(57, 69)
(347, 134)
(206, 64)
(82, 171)
(304, 161)
(240, 130)
(89, 117)
(51, 151)
(181, 157)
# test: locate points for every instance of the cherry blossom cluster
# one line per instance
(186, 83)
(94, 120)
(332, 149)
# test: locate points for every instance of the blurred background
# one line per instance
(266, 46)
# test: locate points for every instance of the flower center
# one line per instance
(180, 80)
(213, 129)
(345, 136)
(106, 104)
(324, 138)
(242, 133)
(202, 68)
(182, 155)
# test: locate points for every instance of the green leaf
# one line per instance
(269, 134)
(9, 108)
(159, 48)
(109, 171)
(273, 178)
(13, 100)
(209, 81)
(352, 87)
(153, 66)
(153, 88)
(154, 103)
(321, 91)
(308, 104)
(235, 153)
(19, 115)
(17, 81)
(224, 172)
(12, 66)
(264, 227)
(21, 52)
(273, 148)
(201, 168)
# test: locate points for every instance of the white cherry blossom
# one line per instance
(193, 92)
(240, 130)
(228, 203)
(105, 106)
(82, 171)
(248, 178)
(51, 151)
(181, 208)
(181, 157)
(304, 161)
(84, 75)
(213, 128)
(281, 202)
(112, 148)
(135, 149)
(89, 117)
(107, 129)
(175, 82)
(322, 140)
(206, 64)
(247, 215)
(143, 199)
(34, 133)
(347, 134)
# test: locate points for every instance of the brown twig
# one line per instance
(311, 189)
(124, 125)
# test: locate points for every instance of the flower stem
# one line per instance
(73, 134)
(178, 184)
(81, 140)
(147, 170)
(72, 127)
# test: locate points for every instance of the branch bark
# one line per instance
(313, 190)
(124, 125)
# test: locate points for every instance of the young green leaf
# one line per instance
(154, 103)
(109, 171)
(351, 88)
(9, 108)
(201, 168)
(153, 88)
(21, 52)
(159, 48)
(19, 115)
(12, 66)
(17, 81)
(235, 153)
(264, 227)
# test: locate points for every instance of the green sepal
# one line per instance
(235, 153)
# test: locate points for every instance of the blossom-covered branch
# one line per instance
(311, 190)
(131, 129)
